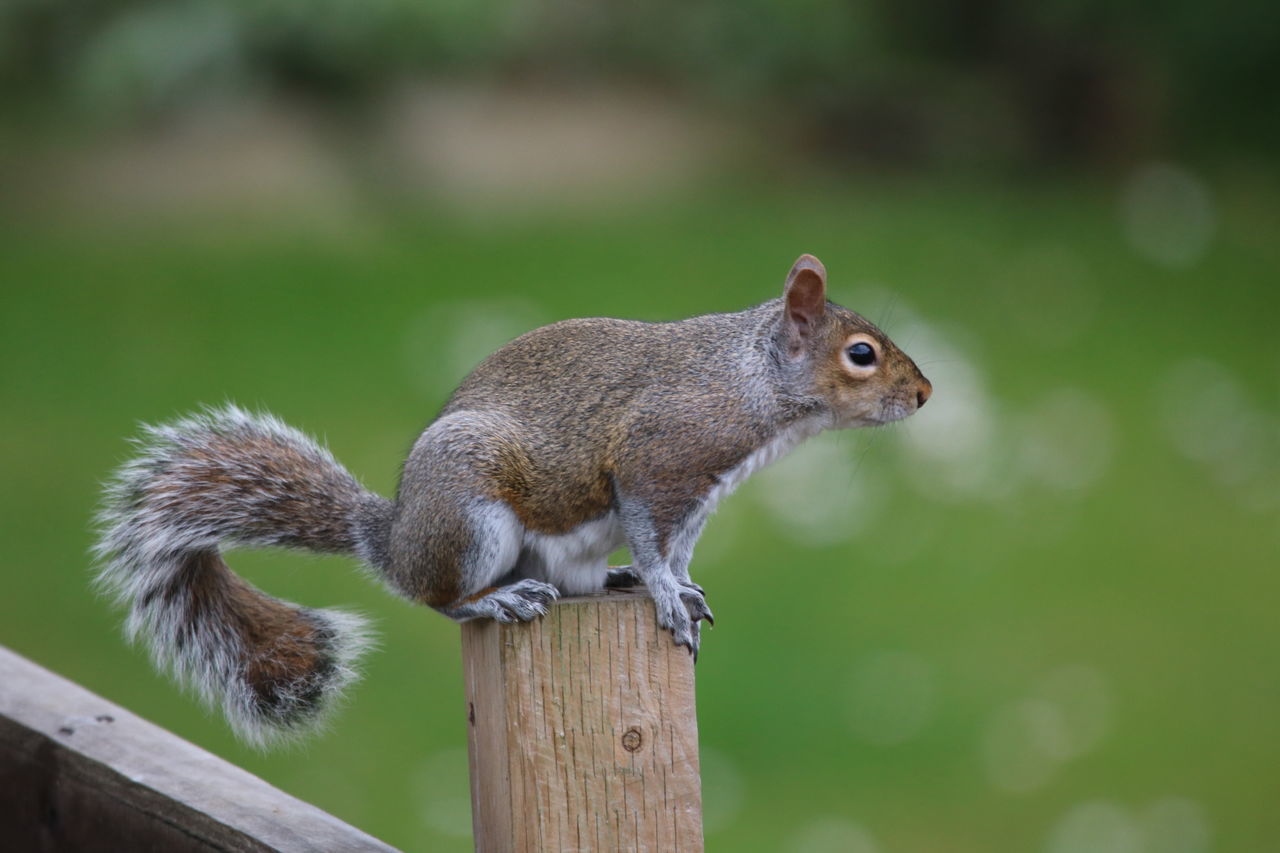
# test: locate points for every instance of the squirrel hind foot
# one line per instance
(622, 577)
(520, 602)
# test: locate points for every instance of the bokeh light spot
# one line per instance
(817, 495)
(443, 792)
(892, 696)
(1067, 440)
(1022, 744)
(1096, 827)
(1176, 825)
(446, 342)
(723, 789)
(1168, 214)
(832, 835)
(1083, 703)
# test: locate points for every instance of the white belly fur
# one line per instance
(577, 561)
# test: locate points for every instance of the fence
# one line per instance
(581, 728)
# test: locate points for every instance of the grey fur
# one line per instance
(155, 546)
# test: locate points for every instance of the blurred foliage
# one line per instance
(905, 81)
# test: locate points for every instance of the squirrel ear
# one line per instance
(805, 297)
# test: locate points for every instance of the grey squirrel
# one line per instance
(566, 443)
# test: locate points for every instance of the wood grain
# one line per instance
(78, 773)
(582, 731)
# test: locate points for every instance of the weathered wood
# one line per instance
(582, 731)
(78, 773)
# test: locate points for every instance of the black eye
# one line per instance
(862, 354)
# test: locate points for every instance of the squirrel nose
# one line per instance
(923, 394)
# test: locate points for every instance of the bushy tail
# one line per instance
(228, 477)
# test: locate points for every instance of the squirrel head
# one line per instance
(861, 375)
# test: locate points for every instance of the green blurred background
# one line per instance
(1037, 616)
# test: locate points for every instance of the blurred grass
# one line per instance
(1156, 576)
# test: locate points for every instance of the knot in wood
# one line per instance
(632, 739)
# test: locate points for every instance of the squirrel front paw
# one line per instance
(673, 615)
(695, 600)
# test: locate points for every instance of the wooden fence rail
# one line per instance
(78, 773)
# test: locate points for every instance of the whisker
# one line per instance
(872, 439)
(886, 315)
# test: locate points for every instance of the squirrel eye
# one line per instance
(862, 354)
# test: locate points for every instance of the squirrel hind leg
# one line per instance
(522, 601)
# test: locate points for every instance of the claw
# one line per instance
(696, 604)
(679, 612)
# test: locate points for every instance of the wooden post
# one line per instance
(582, 731)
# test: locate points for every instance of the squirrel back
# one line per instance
(574, 393)
(578, 392)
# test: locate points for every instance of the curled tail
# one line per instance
(227, 477)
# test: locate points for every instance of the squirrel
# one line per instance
(564, 444)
